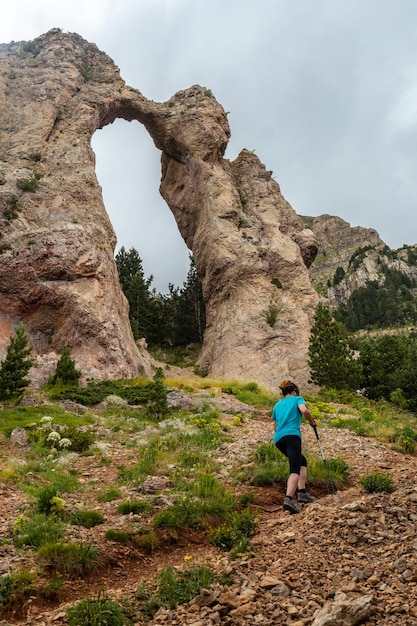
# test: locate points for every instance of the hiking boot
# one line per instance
(304, 497)
(290, 505)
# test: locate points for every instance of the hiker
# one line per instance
(288, 413)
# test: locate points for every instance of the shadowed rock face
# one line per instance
(57, 271)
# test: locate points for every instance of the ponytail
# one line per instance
(288, 387)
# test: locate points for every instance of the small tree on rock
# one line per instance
(66, 372)
(332, 363)
(16, 365)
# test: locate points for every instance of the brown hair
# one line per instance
(288, 387)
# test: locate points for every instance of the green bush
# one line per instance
(28, 184)
(132, 506)
(87, 519)
(270, 467)
(38, 530)
(157, 407)
(15, 588)
(87, 72)
(204, 501)
(147, 540)
(81, 439)
(69, 559)
(404, 439)
(93, 393)
(139, 393)
(12, 209)
(233, 533)
(45, 499)
(249, 393)
(118, 536)
(267, 452)
(180, 587)
(109, 494)
(96, 611)
(377, 482)
(339, 468)
(53, 588)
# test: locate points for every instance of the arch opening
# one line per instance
(128, 169)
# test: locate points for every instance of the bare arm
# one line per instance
(306, 413)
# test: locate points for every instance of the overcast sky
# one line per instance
(324, 92)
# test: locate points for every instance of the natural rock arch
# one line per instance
(57, 271)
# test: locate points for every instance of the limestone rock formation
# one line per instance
(359, 252)
(337, 241)
(57, 272)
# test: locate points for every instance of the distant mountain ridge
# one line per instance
(355, 260)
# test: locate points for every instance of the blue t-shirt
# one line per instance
(288, 417)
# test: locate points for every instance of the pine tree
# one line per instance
(192, 312)
(331, 362)
(66, 372)
(158, 402)
(137, 290)
(16, 365)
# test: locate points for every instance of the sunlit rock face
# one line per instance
(57, 271)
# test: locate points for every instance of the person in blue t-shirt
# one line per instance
(288, 413)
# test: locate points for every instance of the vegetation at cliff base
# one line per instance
(332, 363)
(16, 365)
(174, 319)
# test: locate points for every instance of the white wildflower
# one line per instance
(53, 436)
(65, 443)
(46, 419)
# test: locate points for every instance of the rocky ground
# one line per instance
(346, 559)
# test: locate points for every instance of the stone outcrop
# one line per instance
(359, 252)
(337, 241)
(57, 272)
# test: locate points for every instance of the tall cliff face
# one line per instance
(57, 272)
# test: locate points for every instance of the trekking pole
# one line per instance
(324, 461)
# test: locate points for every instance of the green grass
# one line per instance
(110, 494)
(48, 476)
(38, 530)
(201, 503)
(234, 532)
(133, 506)
(271, 466)
(183, 451)
(175, 587)
(179, 356)
(118, 536)
(15, 588)
(98, 610)
(377, 482)
(147, 464)
(45, 499)
(24, 416)
(185, 445)
(250, 393)
(380, 420)
(87, 519)
(69, 559)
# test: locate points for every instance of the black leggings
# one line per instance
(291, 447)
